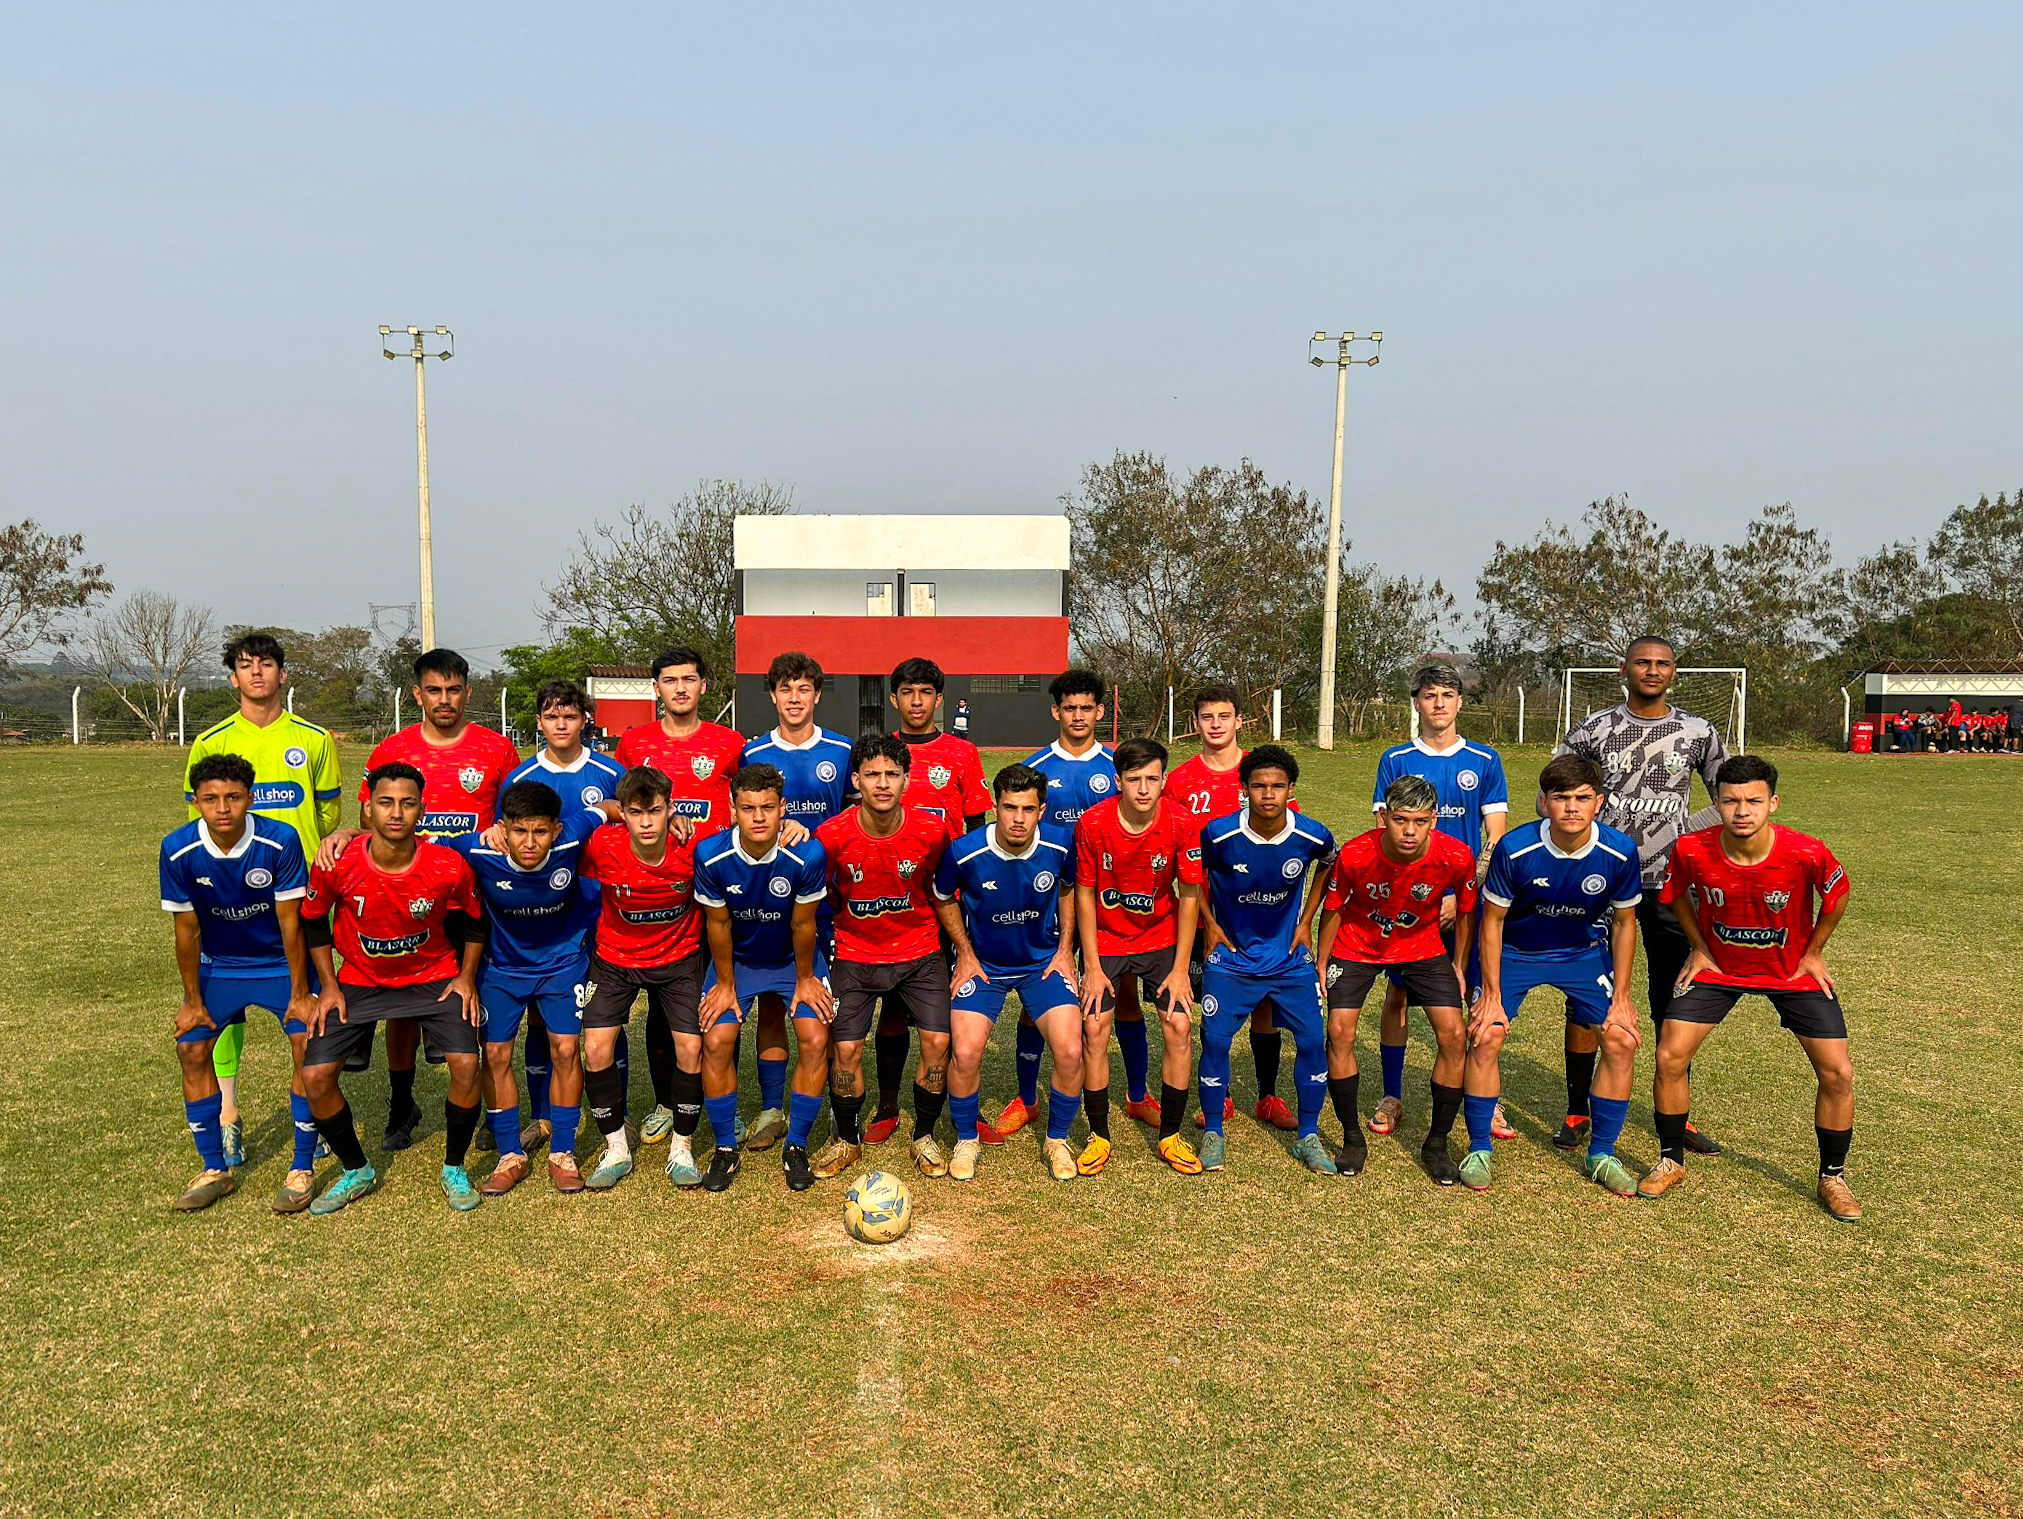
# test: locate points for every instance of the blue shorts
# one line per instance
(1588, 981)
(756, 981)
(227, 996)
(557, 995)
(1228, 997)
(1040, 992)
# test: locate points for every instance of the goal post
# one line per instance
(1719, 693)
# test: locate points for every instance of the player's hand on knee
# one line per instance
(1488, 1015)
(193, 1015)
(718, 1000)
(1095, 987)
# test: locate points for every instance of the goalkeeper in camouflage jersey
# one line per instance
(1649, 752)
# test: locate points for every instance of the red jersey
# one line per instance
(946, 779)
(387, 928)
(1391, 911)
(1132, 874)
(460, 781)
(1204, 794)
(880, 886)
(1757, 918)
(646, 915)
(700, 766)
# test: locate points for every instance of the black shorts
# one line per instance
(442, 1022)
(1150, 966)
(673, 991)
(921, 986)
(1426, 983)
(1808, 1014)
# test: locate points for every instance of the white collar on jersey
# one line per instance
(1423, 747)
(1594, 837)
(211, 845)
(779, 741)
(546, 763)
(738, 844)
(990, 838)
(1284, 834)
(1094, 751)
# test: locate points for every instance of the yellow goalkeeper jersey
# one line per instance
(295, 777)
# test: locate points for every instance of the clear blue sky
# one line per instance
(930, 259)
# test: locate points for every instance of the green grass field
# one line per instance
(1263, 1342)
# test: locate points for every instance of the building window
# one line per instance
(1003, 685)
(878, 598)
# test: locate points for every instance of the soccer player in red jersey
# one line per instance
(1744, 893)
(1136, 907)
(385, 905)
(648, 939)
(1382, 913)
(889, 927)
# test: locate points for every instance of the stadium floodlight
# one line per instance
(420, 354)
(1324, 737)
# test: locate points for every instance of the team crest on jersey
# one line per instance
(967, 989)
(259, 878)
(1468, 780)
(1158, 863)
(470, 778)
(1292, 870)
(780, 886)
(1674, 761)
(825, 772)
(1208, 1006)
(421, 906)
(906, 869)
(701, 766)
(1776, 901)
(1421, 890)
(294, 757)
(558, 879)
(1044, 881)
(1594, 886)
(939, 776)
(592, 795)
(1099, 784)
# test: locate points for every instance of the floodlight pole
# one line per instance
(1324, 736)
(420, 356)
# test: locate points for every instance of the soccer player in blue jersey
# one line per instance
(1474, 808)
(761, 897)
(582, 778)
(1559, 910)
(1016, 880)
(235, 882)
(536, 962)
(1262, 887)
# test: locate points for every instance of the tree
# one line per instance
(144, 650)
(651, 580)
(45, 585)
(530, 666)
(1385, 624)
(1979, 549)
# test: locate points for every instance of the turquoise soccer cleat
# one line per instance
(348, 1188)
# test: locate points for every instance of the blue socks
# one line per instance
(1214, 1082)
(1310, 1078)
(773, 1081)
(1061, 1111)
(723, 1119)
(1479, 1112)
(506, 1129)
(305, 1133)
(1605, 1123)
(566, 1121)
(1131, 1043)
(802, 1111)
(210, 1140)
(1392, 1057)
(537, 1088)
(1031, 1045)
(962, 1110)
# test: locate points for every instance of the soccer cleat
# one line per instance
(536, 1134)
(348, 1188)
(659, 1124)
(1499, 1126)
(400, 1129)
(1179, 1154)
(928, 1156)
(836, 1157)
(1701, 1144)
(507, 1174)
(564, 1175)
(1228, 1112)
(1355, 1154)
(681, 1167)
(1661, 1178)
(962, 1159)
(738, 1131)
(1837, 1197)
(1145, 1109)
(1311, 1153)
(458, 1190)
(985, 1134)
(232, 1136)
(723, 1168)
(767, 1130)
(295, 1192)
(485, 1142)
(794, 1166)
(1060, 1160)
(608, 1172)
(1095, 1155)
(1474, 1170)
(1608, 1171)
(1569, 1135)
(205, 1190)
(1273, 1111)
(1213, 1149)
(881, 1129)
(1438, 1163)
(1016, 1116)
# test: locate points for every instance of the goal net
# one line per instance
(1719, 693)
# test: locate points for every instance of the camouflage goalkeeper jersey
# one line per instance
(1648, 764)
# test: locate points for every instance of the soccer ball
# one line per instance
(877, 1209)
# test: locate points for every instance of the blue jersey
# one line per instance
(817, 773)
(233, 892)
(541, 917)
(760, 893)
(1255, 886)
(1557, 905)
(591, 779)
(1075, 783)
(1010, 902)
(1468, 777)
